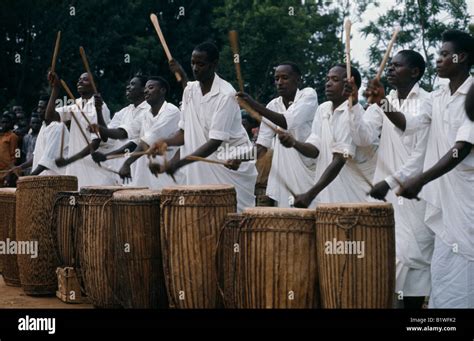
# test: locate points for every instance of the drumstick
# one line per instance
(154, 21)
(55, 53)
(62, 142)
(71, 96)
(256, 116)
(280, 178)
(347, 28)
(88, 69)
(234, 45)
(387, 53)
(118, 156)
(198, 158)
(82, 131)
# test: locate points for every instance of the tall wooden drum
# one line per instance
(34, 208)
(276, 264)
(65, 220)
(10, 273)
(356, 255)
(226, 253)
(140, 280)
(192, 217)
(95, 244)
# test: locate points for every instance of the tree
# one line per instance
(274, 31)
(422, 22)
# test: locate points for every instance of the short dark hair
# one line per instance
(142, 78)
(163, 82)
(210, 49)
(414, 60)
(462, 41)
(355, 73)
(293, 66)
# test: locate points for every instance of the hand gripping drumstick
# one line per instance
(154, 21)
(234, 44)
(71, 96)
(347, 28)
(56, 51)
(385, 57)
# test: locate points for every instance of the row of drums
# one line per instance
(186, 247)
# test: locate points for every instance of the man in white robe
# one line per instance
(210, 126)
(85, 169)
(124, 129)
(159, 122)
(294, 112)
(414, 239)
(341, 166)
(448, 176)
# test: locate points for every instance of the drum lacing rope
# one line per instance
(348, 233)
(164, 254)
(217, 258)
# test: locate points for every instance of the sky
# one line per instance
(360, 53)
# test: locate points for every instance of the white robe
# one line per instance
(216, 116)
(331, 134)
(414, 239)
(129, 119)
(300, 175)
(47, 148)
(450, 199)
(88, 173)
(153, 128)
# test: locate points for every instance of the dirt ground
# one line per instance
(14, 297)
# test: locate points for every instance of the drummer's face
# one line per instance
(154, 92)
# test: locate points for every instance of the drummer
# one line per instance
(293, 110)
(211, 123)
(342, 169)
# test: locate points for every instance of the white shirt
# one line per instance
(48, 145)
(450, 199)
(153, 128)
(331, 134)
(216, 115)
(130, 119)
(299, 118)
(414, 239)
(88, 173)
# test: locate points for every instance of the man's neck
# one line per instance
(457, 80)
(155, 108)
(336, 104)
(86, 96)
(138, 102)
(287, 101)
(207, 84)
(404, 90)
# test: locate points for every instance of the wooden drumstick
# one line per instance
(234, 45)
(154, 21)
(88, 69)
(256, 116)
(202, 159)
(62, 142)
(71, 96)
(56, 51)
(347, 28)
(387, 53)
(118, 156)
(82, 132)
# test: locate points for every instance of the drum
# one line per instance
(95, 244)
(10, 273)
(139, 266)
(276, 264)
(34, 208)
(356, 255)
(226, 253)
(192, 217)
(65, 219)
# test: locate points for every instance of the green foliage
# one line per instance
(274, 31)
(422, 22)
